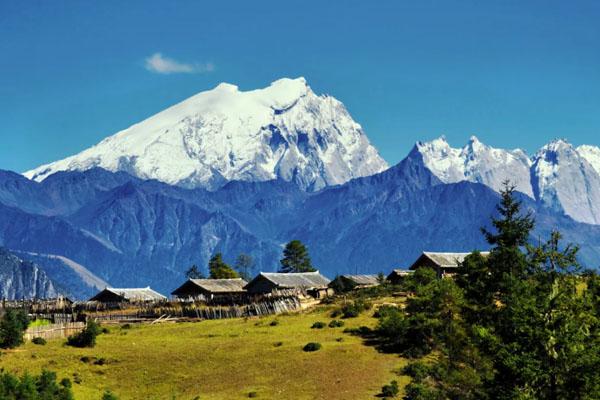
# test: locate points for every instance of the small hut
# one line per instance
(208, 289)
(397, 276)
(312, 283)
(128, 295)
(343, 283)
(443, 263)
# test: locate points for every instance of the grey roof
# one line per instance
(362, 279)
(447, 260)
(221, 285)
(401, 272)
(137, 294)
(305, 280)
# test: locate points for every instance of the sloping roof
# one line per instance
(297, 279)
(221, 285)
(362, 279)
(136, 294)
(401, 272)
(447, 260)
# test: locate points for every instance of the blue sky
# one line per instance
(514, 73)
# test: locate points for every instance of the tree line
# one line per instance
(295, 259)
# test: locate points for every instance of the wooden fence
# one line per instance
(54, 331)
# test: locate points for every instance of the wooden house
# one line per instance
(128, 295)
(311, 283)
(397, 276)
(345, 283)
(443, 263)
(208, 289)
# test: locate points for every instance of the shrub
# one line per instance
(252, 395)
(278, 344)
(336, 324)
(12, 326)
(318, 325)
(126, 326)
(38, 340)
(108, 395)
(390, 390)
(336, 313)
(274, 323)
(353, 309)
(85, 338)
(100, 361)
(312, 346)
(43, 386)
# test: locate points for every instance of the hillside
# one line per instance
(220, 359)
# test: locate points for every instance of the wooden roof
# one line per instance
(401, 272)
(445, 260)
(306, 280)
(133, 294)
(216, 285)
(362, 279)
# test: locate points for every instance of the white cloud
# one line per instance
(165, 65)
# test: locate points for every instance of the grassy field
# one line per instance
(223, 359)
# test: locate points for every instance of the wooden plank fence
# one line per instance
(54, 331)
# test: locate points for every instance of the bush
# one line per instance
(85, 338)
(318, 325)
(312, 346)
(390, 390)
(108, 395)
(12, 326)
(126, 326)
(43, 386)
(252, 395)
(352, 310)
(278, 344)
(336, 324)
(336, 313)
(274, 323)
(38, 340)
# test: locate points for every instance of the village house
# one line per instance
(344, 283)
(128, 295)
(397, 276)
(443, 263)
(209, 289)
(311, 283)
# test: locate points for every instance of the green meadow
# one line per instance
(220, 359)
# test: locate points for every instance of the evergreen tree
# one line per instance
(296, 258)
(12, 327)
(219, 269)
(244, 265)
(194, 273)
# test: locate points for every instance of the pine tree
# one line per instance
(194, 273)
(219, 269)
(12, 326)
(296, 258)
(244, 265)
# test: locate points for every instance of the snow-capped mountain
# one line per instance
(283, 131)
(563, 179)
(476, 162)
(559, 176)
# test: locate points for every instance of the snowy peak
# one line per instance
(283, 131)
(476, 162)
(564, 179)
(559, 176)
